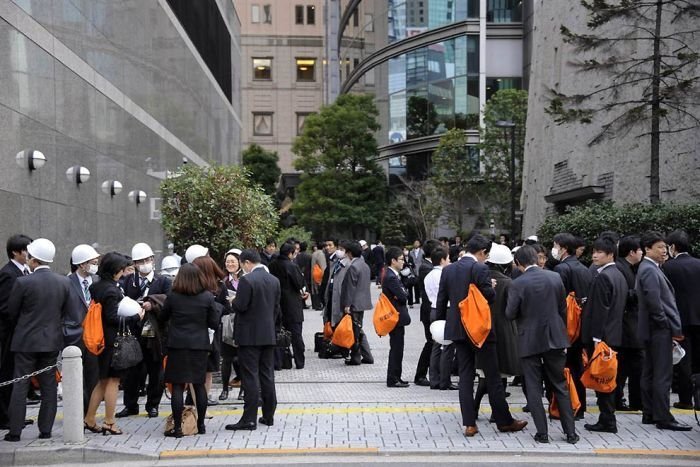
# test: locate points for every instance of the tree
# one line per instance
(342, 187)
(508, 105)
(262, 166)
(654, 86)
(393, 227)
(218, 207)
(421, 117)
(420, 205)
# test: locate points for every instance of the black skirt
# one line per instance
(186, 366)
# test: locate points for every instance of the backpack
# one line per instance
(93, 333)
(317, 274)
(573, 317)
(573, 396)
(476, 316)
(600, 373)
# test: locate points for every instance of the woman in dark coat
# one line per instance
(229, 353)
(107, 293)
(190, 311)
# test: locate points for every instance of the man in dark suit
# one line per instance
(15, 267)
(379, 258)
(268, 253)
(291, 302)
(454, 287)
(537, 302)
(659, 325)
(84, 262)
(38, 304)
(631, 354)
(577, 279)
(303, 260)
(257, 308)
(602, 321)
(137, 286)
(355, 298)
(423, 269)
(398, 296)
(684, 273)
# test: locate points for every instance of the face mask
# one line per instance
(145, 268)
(92, 269)
(340, 254)
(555, 253)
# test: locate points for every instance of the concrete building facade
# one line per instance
(126, 89)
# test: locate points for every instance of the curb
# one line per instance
(69, 454)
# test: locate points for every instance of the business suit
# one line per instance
(291, 284)
(602, 319)
(454, 287)
(257, 310)
(73, 333)
(576, 278)
(659, 321)
(8, 275)
(397, 295)
(631, 354)
(355, 295)
(378, 255)
(537, 302)
(424, 359)
(151, 347)
(684, 273)
(38, 304)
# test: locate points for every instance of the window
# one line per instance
(255, 13)
(299, 14)
(355, 62)
(262, 123)
(355, 19)
(301, 119)
(262, 69)
(369, 23)
(306, 68)
(267, 14)
(310, 14)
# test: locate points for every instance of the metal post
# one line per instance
(512, 183)
(72, 378)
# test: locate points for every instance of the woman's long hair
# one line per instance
(210, 273)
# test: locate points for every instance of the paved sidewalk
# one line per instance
(328, 408)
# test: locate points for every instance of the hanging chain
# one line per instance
(30, 375)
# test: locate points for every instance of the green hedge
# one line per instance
(594, 217)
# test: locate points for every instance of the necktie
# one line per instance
(25, 272)
(86, 291)
(144, 285)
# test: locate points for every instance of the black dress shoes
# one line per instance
(572, 438)
(397, 384)
(599, 427)
(353, 362)
(11, 438)
(673, 426)
(265, 421)
(125, 412)
(152, 412)
(368, 361)
(242, 426)
(451, 387)
(541, 438)
(682, 406)
(647, 420)
(421, 382)
(45, 435)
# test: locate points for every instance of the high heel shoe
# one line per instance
(224, 395)
(240, 395)
(109, 429)
(92, 428)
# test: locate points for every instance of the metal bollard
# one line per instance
(73, 396)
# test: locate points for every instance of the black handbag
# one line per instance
(127, 350)
(284, 338)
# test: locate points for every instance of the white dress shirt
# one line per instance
(432, 284)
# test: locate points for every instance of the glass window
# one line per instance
(255, 13)
(262, 123)
(301, 119)
(299, 14)
(262, 69)
(473, 55)
(306, 69)
(504, 11)
(310, 14)
(493, 85)
(369, 22)
(267, 14)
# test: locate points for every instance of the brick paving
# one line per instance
(328, 405)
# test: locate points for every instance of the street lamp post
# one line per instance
(511, 125)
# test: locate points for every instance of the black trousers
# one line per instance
(25, 363)
(690, 363)
(441, 359)
(229, 359)
(657, 374)
(298, 347)
(424, 359)
(257, 381)
(396, 346)
(360, 350)
(552, 364)
(574, 362)
(7, 368)
(153, 367)
(630, 361)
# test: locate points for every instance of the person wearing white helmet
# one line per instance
(194, 252)
(38, 303)
(169, 266)
(142, 283)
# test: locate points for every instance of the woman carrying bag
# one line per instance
(229, 353)
(190, 311)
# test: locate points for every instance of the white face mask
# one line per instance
(555, 253)
(145, 268)
(92, 269)
(340, 254)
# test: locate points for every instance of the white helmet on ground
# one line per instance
(141, 251)
(500, 254)
(42, 249)
(82, 254)
(194, 252)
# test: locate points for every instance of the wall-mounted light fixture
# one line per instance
(78, 174)
(137, 196)
(111, 187)
(30, 159)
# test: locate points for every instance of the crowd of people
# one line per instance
(195, 318)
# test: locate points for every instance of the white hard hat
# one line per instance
(515, 248)
(363, 243)
(533, 238)
(42, 249)
(169, 262)
(141, 251)
(194, 252)
(82, 254)
(235, 251)
(437, 330)
(500, 254)
(128, 307)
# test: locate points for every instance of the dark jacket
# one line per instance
(77, 309)
(506, 331)
(684, 273)
(132, 285)
(657, 305)
(108, 294)
(38, 304)
(630, 320)
(257, 309)
(189, 318)
(454, 287)
(303, 260)
(605, 307)
(397, 294)
(291, 282)
(537, 303)
(575, 276)
(8, 275)
(425, 267)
